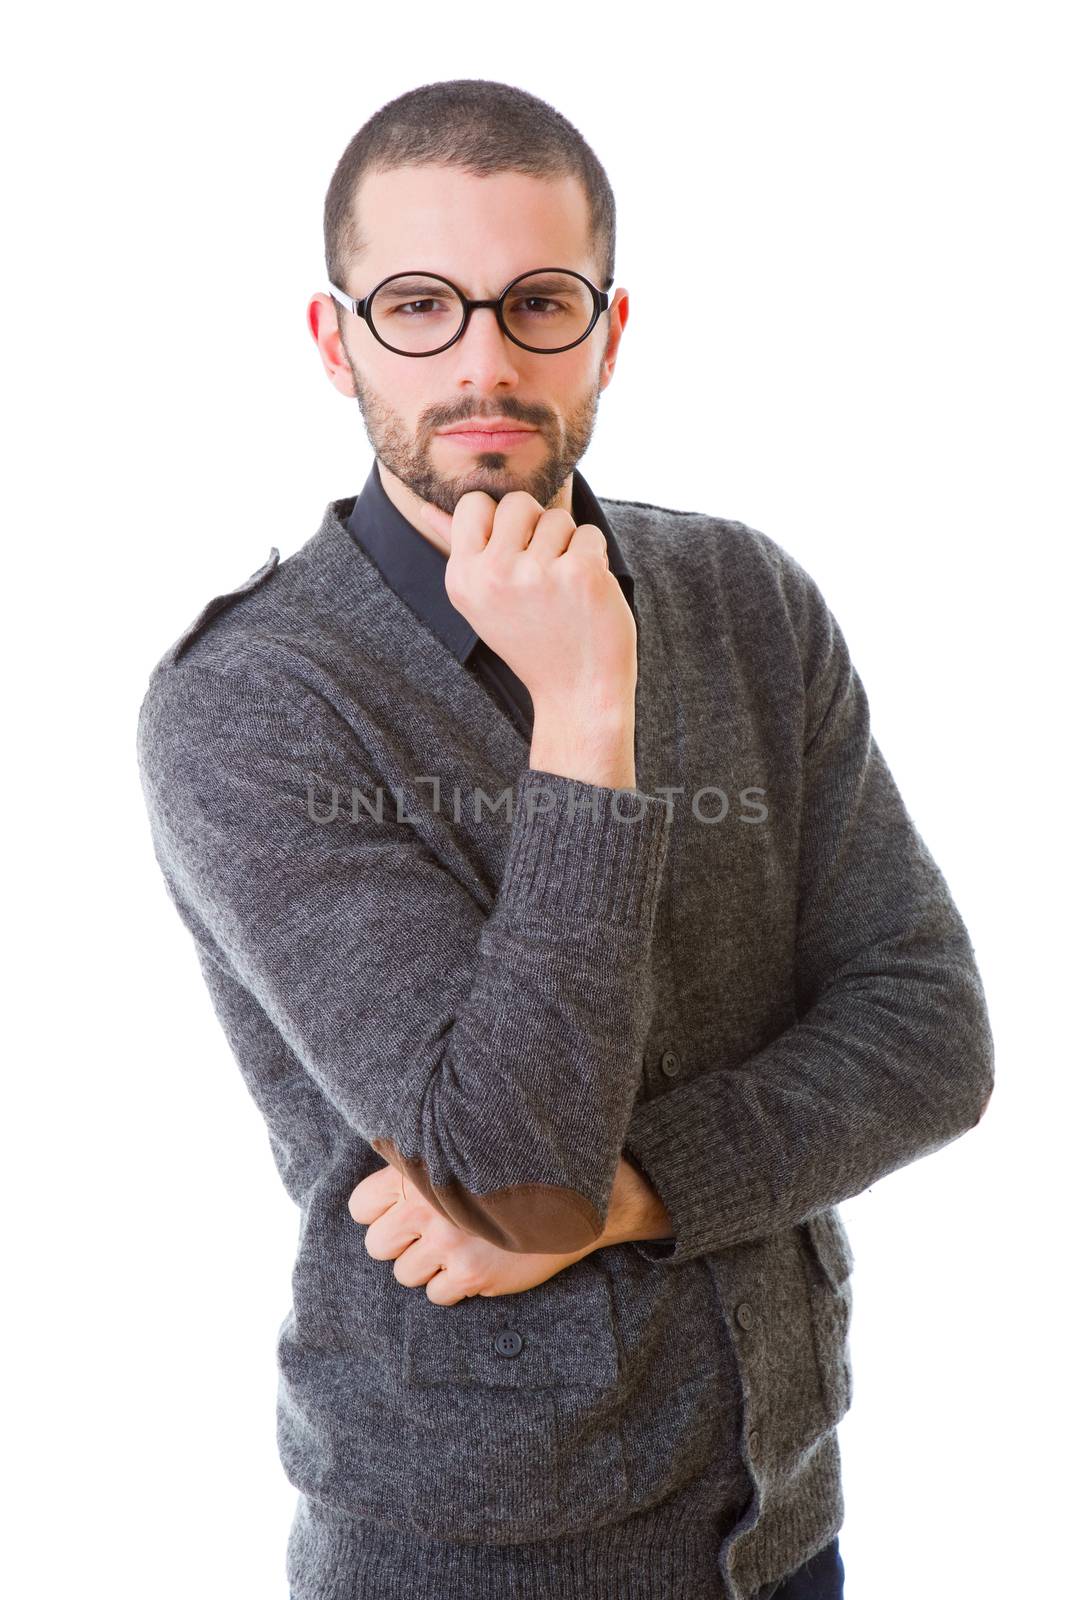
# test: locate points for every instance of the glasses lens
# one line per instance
(416, 314)
(548, 310)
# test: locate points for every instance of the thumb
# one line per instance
(440, 521)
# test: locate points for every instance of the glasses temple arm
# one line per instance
(345, 299)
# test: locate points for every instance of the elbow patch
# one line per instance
(534, 1218)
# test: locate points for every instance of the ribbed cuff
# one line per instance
(679, 1142)
(585, 850)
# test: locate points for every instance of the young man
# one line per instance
(568, 928)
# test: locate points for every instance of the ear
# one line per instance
(325, 329)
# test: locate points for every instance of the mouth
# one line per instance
(489, 438)
(489, 433)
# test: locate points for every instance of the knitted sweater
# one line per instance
(748, 975)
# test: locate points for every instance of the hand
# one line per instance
(540, 591)
(428, 1249)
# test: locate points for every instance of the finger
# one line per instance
(440, 521)
(388, 1239)
(365, 1205)
(472, 522)
(374, 1194)
(552, 534)
(441, 1292)
(415, 1265)
(516, 520)
(588, 540)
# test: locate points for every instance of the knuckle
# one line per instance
(589, 573)
(495, 577)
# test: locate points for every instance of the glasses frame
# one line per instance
(361, 308)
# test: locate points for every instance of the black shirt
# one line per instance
(415, 569)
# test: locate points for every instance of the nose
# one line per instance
(484, 356)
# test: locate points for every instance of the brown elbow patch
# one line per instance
(535, 1218)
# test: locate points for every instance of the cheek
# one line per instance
(394, 399)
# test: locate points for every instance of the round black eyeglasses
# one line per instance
(546, 312)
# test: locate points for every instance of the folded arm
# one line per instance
(491, 1052)
(891, 1056)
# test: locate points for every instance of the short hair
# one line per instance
(477, 125)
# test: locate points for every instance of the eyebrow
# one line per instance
(415, 281)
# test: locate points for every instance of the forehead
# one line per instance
(479, 231)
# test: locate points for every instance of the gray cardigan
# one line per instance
(748, 975)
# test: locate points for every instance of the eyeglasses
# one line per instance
(421, 314)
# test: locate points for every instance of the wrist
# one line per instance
(642, 1212)
(635, 1211)
(598, 750)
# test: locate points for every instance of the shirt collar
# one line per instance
(415, 568)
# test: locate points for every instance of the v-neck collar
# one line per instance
(366, 607)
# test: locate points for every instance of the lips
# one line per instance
(490, 439)
(489, 425)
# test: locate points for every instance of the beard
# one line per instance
(407, 455)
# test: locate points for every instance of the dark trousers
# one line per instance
(821, 1578)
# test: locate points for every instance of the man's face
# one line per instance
(479, 232)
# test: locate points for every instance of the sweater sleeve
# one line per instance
(891, 1056)
(490, 1050)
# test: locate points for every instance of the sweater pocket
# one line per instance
(831, 1305)
(509, 1425)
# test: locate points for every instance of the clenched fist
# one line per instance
(540, 592)
(429, 1249)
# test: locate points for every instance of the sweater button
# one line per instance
(669, 1062)
(754, 1443)
(744, 1314)
(508, 1343)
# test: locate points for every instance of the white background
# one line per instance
(864, 203)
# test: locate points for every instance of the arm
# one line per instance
(455, 1265)
(891, 1056)
(490, 1049)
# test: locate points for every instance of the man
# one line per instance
(568, 928)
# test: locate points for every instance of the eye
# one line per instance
(409, 303)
